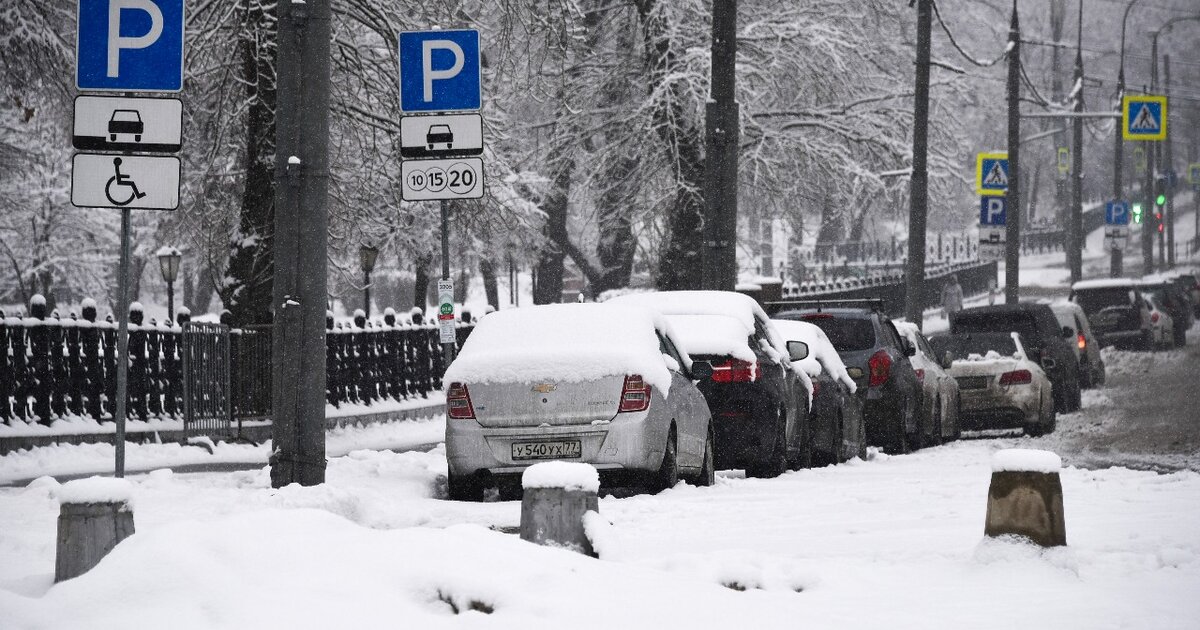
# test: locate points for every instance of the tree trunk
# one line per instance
(487, 269)
(421, 282)
(680, 266)
(247, 294)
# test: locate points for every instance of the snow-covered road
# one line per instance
(892, 542)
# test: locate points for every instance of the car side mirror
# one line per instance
(1068, 332)
(702, 370)
(947, 360)
(1049, 363)
(797, 350)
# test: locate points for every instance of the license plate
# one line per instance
(973, 382)
(561, 449)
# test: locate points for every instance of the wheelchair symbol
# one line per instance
(121, 181)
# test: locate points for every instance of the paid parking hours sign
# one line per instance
(440, 135)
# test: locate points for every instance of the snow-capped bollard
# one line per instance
(1026, 498)
(94, 515)
(557, 496)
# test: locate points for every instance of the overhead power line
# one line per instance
(982, 64)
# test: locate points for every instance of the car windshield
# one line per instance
(1018, 322)
(1095, 300)
(962, 346)
(847, 335)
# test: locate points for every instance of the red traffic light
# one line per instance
(1160, 227)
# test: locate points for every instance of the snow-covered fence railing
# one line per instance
(53, 367)
(975, 278)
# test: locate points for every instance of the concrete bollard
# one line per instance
(1025, 497)
(557, 495)
(94, 515)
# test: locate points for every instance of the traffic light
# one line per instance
(1137, 213)
(1161, 199)
(1158, 220)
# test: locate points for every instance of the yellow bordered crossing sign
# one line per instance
(1144, 117)
(991, 173)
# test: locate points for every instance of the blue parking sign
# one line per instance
(439, 71)
(992, 210)
(1116, 213)
(130, 45)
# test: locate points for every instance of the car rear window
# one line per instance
(846, 335)
(1019, 322)
(1095, 300)
(962, 346)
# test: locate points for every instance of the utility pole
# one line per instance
(1012, 236)
(721, 154)
(1075, 229)
(918, 196)
(301, 220)
(1168, 168)
(1117, 262)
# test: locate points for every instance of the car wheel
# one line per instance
(708, 473)
(668, 472)
(1147, 341)
(776, 463)
(1052, 423)
(936, 438)
(1180, 337)
(897, 442)
(804, 457)
(463, 489)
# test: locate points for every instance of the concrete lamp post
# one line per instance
(168, 264)
(367, 254)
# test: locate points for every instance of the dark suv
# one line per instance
(1045, 340)
(758, 402)
(1117, 311)
(876, 356)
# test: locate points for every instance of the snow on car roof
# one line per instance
(564, 342)
(821, 353)
(712, 334)
(728, 304)
(1105, 283)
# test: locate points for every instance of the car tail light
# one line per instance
(920, 375)
(816, 388)
(1079, 339)
(635, 394)
(735, 371)
(458, 402)
(880, 368)
(1154, 317)
(1016, 377)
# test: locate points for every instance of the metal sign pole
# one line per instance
(122, 342)
(447, 348)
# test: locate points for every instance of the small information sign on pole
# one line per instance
(446, 310)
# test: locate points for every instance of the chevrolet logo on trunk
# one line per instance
(543, 388)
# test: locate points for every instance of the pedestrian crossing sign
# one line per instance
(1144, 117)
(991, 173)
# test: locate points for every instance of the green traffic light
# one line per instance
(1137, 213)
(1160, 200)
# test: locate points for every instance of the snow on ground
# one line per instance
(67, 459)
(892, 542)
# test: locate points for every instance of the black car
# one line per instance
(758, 402)
(1179, 306)
(1045, 339)
(1116, 310)
(836, 422)
(876, 356)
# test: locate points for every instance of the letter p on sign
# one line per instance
(130, 46)
(439, 71)
(992, 210)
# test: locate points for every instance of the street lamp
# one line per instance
(168, 264)
(366, 259)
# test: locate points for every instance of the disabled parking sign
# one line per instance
(130, 46)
